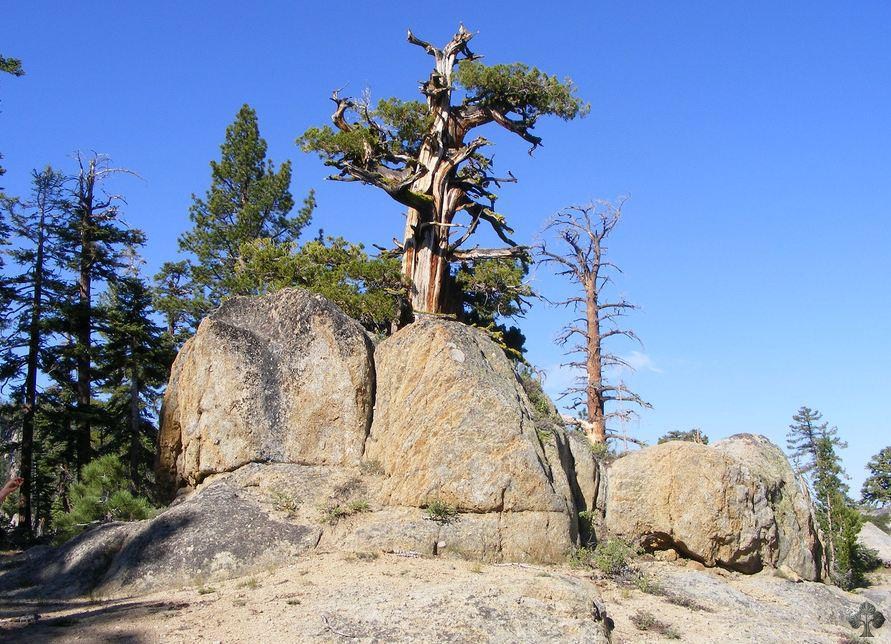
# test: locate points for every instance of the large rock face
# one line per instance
(452, 423)
(736, 504)
(283, 378)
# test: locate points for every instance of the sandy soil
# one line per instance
(387, 598)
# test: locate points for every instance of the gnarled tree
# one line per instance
(582, 232)
(421, 154)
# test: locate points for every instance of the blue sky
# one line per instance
(754, 140)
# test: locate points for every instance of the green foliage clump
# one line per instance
(334, 512)
(520, 88)
(439, 510)
(877, 486)
(372, 467)
(694, 435)
(368, 289)
(101, 494)
(284, 502)
(532, 385)
(494, 289)
(612, 557)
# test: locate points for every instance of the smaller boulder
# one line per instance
(873, 538)
(736, 504)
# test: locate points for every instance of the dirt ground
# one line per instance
(389, 598)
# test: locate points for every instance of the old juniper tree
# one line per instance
(580, 254)
(248, 199)
(422, 155)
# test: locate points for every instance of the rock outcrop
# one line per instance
(735, 504)
(873, 538)
(288, 433)
(453, 424)
(283, 378)
(217, 533)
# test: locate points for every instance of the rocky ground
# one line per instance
(387, 598)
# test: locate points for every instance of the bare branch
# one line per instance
(476, 253)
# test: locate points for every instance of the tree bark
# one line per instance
(594, 364)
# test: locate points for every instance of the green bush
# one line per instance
(441, 511)
(334, 512)
(613, 556)
(101, 494)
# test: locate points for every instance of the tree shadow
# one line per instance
(35, 622)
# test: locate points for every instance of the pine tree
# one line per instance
(95, 238)
(174, 296)
(801, 439)
(877, 486)
(37, 290)
(814, 445)
(132, 367)
(248, 200)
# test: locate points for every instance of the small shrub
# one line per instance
(284, 502)
(581, 557)
(372, 468)
(600, 451)
(612, 557)
(648, 585)
(645, 621)
(334, 512)
(586, 524)
(545, 433)
(250, 583)
(542, 405)
(441, 511)
(206, 590)
(694, 435)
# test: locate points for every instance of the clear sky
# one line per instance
(753, 137)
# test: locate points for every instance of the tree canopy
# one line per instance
(420, 154)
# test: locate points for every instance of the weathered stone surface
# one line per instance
(215, 533)
(451, 422)
(872, 537)
(283, 378)
(735, 504)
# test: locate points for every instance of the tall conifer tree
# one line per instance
(37, 292)
(133, 367)
(248, 199)
(94, 236)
